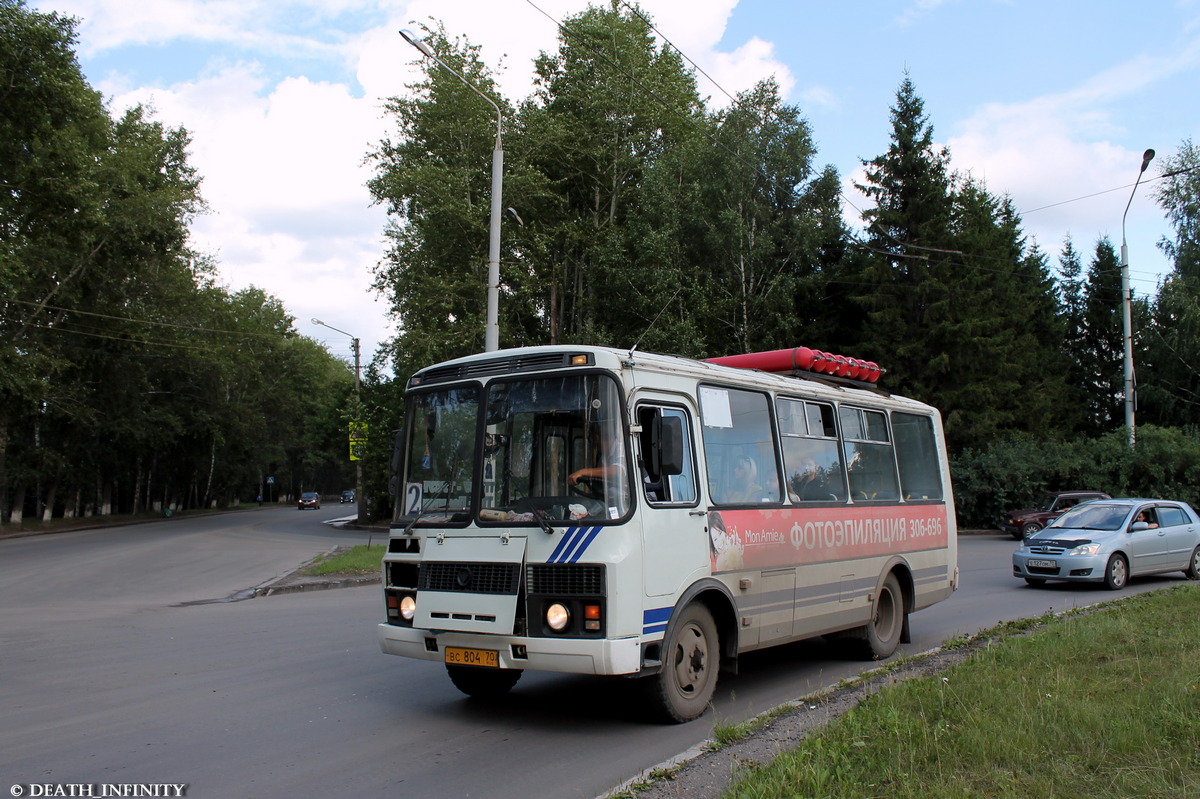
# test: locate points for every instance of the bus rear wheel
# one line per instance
(684, 687)
(483, 683)
(880, 636)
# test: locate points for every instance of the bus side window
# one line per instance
(870, 457)
(739, 446)
(917, 456)
(667, 430)
(811, 456)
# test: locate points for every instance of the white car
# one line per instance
(1111, 540)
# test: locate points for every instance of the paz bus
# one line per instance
(599, 511)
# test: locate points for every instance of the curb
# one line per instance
(316, 584)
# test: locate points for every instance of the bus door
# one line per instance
(673, 523)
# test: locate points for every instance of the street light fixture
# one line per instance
(1127, 309)
(491, 334)
(358, 476)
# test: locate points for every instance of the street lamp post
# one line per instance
(360, 500)
(491, 335)
(1127, 309)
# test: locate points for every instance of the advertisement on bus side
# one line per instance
(767, 538)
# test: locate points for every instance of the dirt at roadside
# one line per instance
(705, 774)
(297, 580)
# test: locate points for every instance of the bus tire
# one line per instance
(684, 686)
(880, 636)
(483, 683)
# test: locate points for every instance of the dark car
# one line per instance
(347, 496)
(1027, 521)
(309, 499)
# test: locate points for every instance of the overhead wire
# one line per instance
(74, 328)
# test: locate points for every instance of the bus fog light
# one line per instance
(408, 607)
(557, 617)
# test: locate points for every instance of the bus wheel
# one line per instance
(482, 682)
(684, 687)
(881, 635)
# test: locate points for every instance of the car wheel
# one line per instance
(1036, 582)
(1029, 529)
(1193, 569)
(483, 682)
(1116, 573)
(684, 687)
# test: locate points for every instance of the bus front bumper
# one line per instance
(568, 655)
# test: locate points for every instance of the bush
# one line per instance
(1014, 471)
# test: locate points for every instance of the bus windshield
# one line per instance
(442, 442)
(525, 451)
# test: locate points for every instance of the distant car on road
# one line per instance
(1027, 521)
(347, 496)
(1111, 540)
(309, 499)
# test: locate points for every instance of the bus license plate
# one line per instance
(459, 656)
(1042, 564)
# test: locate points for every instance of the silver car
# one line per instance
(1108, 541)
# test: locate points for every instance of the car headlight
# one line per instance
(557, 617)
(1085, 549)
(408, 608)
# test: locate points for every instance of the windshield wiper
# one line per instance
(417, 518)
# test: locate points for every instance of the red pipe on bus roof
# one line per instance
(805, 360)
(774, 361)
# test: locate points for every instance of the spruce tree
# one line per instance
(958, 308)
(1103, 351)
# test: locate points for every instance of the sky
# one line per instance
(1050, 102)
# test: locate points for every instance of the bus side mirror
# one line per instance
(666, 446)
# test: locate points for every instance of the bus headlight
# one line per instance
(408, 608)
(557, 617)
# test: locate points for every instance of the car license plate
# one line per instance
(460, 656)
(1042, 564)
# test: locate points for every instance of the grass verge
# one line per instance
(1104, 705)
(361, 559)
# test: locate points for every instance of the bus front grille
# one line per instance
(566, 579)
(470, 578)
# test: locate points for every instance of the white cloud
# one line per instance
(281, 159)
(283, 176)
(1051, 156)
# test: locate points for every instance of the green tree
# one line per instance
(1103, 352)
(1169, 385)
(128, 379)
(908, 236)
(606, 108)
(958, 309)
(52, 127)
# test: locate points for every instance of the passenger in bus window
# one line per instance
(806, 483)
(743, 485)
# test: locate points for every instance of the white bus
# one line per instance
(599, 511)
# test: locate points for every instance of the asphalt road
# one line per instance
(127, 656)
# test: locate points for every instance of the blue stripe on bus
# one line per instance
(584, 542)
(655, 620)
(574, 543)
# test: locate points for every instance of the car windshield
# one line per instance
(1047, 501)
(1092, 516)
(309, 495)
